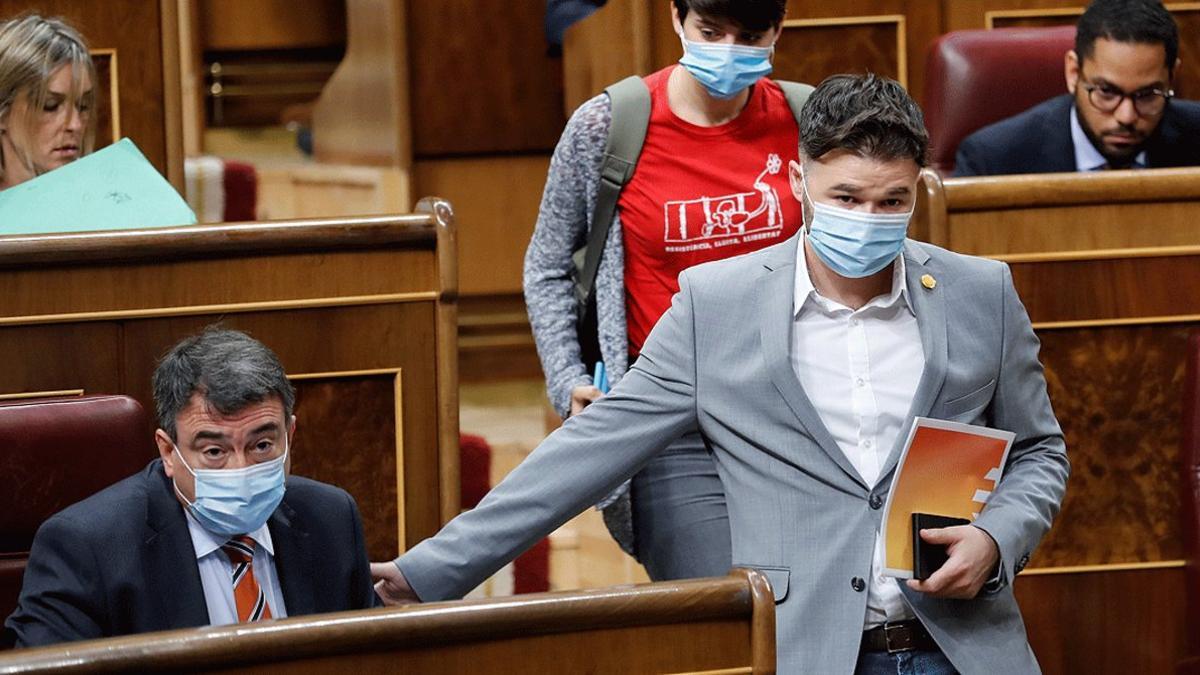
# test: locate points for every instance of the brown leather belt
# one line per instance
(902, 636)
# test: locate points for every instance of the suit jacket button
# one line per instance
(875, 501)
(858, 584)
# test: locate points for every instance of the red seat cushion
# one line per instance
(976, 77)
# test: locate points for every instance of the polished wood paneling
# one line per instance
(85, 358)
(346, 434)
(590, 61)
(1119, 287)
(307, 190)
(485, 83)
(497, 198)
(706, 625)
(1116, 393)
(809, 50)
(134, 29)
(1104, 622)
(1052, 213)
(272, 24)
(90, 311)
(363, 114)
(495, 341)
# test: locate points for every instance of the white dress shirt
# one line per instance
(860, 370)
(216, 573)
(1087, 157)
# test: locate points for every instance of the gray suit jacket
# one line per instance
(718, 361)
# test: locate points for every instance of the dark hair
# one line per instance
(755, 15)
(228, 368)
(869, 115)
(1138, 21)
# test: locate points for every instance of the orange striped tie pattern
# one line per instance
(249, 596)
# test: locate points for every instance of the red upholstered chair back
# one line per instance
(976, 77)
(53, 453)
(1190, 511)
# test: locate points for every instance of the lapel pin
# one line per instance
(928, 281)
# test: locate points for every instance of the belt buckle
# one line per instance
(898, 638)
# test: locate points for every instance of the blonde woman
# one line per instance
(46, 97)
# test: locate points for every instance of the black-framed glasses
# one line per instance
(1107, 98)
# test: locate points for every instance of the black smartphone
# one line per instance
(927, 558)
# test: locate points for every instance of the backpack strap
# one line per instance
(796, 95)
(630, 117)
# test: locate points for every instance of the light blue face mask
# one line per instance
(725, 70)
(856, 244)
(230, 502)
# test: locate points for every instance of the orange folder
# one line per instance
(947, 469)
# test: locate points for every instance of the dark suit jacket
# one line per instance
(122, 562)
(1039, 141)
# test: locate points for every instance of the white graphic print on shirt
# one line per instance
(711, 222)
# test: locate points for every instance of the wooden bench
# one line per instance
(361, 311)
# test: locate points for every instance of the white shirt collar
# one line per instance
(805, 289)
(1087, 157)
(206, 542)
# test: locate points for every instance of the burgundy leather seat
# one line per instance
(976, 77)
(53, 453)
(1189, 452)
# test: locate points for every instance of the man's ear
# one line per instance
(796, 179)
(676, 22)
(166, 450)
(1174, 71)
(1071, 70)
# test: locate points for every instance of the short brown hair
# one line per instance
(868, 115)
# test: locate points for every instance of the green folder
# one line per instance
(115, 188)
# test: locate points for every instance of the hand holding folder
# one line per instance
(947, 469)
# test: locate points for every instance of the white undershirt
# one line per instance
(216, 573)
(860, 369)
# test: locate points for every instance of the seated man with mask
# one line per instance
(803, 365)
(212, 532)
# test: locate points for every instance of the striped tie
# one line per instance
(249, 596)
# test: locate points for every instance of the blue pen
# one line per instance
(600, 378)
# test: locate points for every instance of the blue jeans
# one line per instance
(680, 522)
(904, 663)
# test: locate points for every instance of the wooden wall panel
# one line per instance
(1116, 393)
(86, 358)
(346, 432)
(1109, 288)
(496, 200)
(481, 78)
(1104, 622)
(272, 24)
(809, 50)
(133, 29)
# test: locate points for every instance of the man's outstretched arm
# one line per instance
(588, 457)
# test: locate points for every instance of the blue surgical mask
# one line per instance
(724, 69)
(230, 502)
(853, 243)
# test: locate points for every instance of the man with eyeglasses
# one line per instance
(1121, 112)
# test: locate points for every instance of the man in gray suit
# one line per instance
(803, 365)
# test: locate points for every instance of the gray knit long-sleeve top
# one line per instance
(562, 227)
